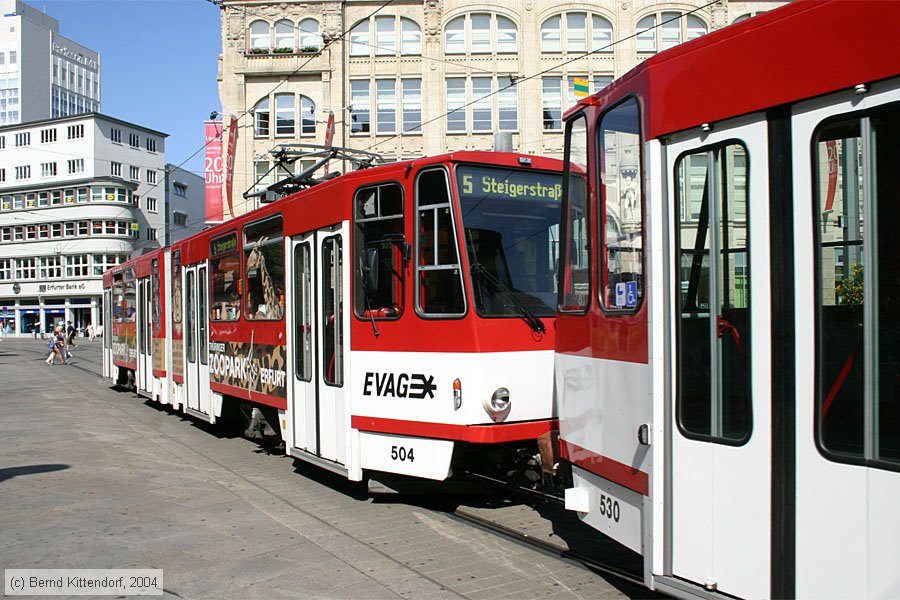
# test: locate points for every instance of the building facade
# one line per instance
(186, 204)
(43, 75)
(423, 78)
(77, 195)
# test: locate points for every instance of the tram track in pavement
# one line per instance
(567, 538)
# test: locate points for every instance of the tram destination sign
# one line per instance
(223, 245)
(478, 183)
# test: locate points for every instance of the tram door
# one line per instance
(196, 333)
(107, 334)
(319, 404)
(144, 342)
(719, 502)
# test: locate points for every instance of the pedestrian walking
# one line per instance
(71, 332)
(57, 346)
(90, 331)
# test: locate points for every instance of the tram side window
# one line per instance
(225, 272)
(332, 311)
(264, 268)
(380, 247)
(130, 302)
(713, 295)
(439, 288)
(177, 312)
(155, 297)
(858, 287)
(118, 293)
(621, 209)
(303, 312)
(575, 287)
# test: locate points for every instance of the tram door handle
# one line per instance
(643, 434)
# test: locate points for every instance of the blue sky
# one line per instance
(158, 62)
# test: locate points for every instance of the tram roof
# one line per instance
(800, 50)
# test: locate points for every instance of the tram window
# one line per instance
(621, 209)
(130, 303)
(155, 297)
(858, 325)
(332, 307)
(439, 289)
(510, 222)
(118, 293)
(378, 215)
(191, 333)
(202, 323)
(225, 271)
(177, 311)
(264, 269)
(713, 295)
(575, 284)
(303, 293)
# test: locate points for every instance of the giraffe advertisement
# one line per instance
(252, 367)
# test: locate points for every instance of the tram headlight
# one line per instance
(498, 405)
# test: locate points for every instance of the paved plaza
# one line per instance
(96, 478)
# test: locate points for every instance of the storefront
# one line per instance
(34, 308)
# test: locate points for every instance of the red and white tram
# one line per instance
(385, 320)
(728, 346)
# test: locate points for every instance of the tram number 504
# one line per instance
(403, 454)
(609, 507)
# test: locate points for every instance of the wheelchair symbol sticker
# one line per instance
(631, 294)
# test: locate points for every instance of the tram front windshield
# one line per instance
(510, 220)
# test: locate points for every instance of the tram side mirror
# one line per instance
(370, 269)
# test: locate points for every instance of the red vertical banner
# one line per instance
(329, 137)
(229, 165)
(831, 149)
(213, 172)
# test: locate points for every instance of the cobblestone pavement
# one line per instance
(95, 478)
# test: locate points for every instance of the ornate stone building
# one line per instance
(405, 79)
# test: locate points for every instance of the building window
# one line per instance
(386, 106)
(48, 135)
(48, 169)
(151, 234)
(134, 140)
(74, 132)
(476, 104)
(151, 175)
(576, 32)
(179, 219)
(77, 266)
(2, 175)
(487, 34)
(26, 268)
(261, 118)
(23, 172)
(284, 114)
(23, 139)
(259, 36)
(115, 135)
(75, 166)
(115, 168)
(360, 110)
(388, 30)
(310, 38)
(151, 204)
(151, 144)
(134, 173)
(5, 269)
(554, 102)
(284, 36)
(50, 267)
(180, 189)
(307, 116)
(672, 29)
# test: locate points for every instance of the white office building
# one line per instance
(77, 195)
(43, 74)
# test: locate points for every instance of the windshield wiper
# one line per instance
(524, 312)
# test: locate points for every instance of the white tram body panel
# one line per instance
(847, 519)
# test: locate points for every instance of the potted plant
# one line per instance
(309, 49)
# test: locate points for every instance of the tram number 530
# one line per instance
(404, 454)
(609, 507)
